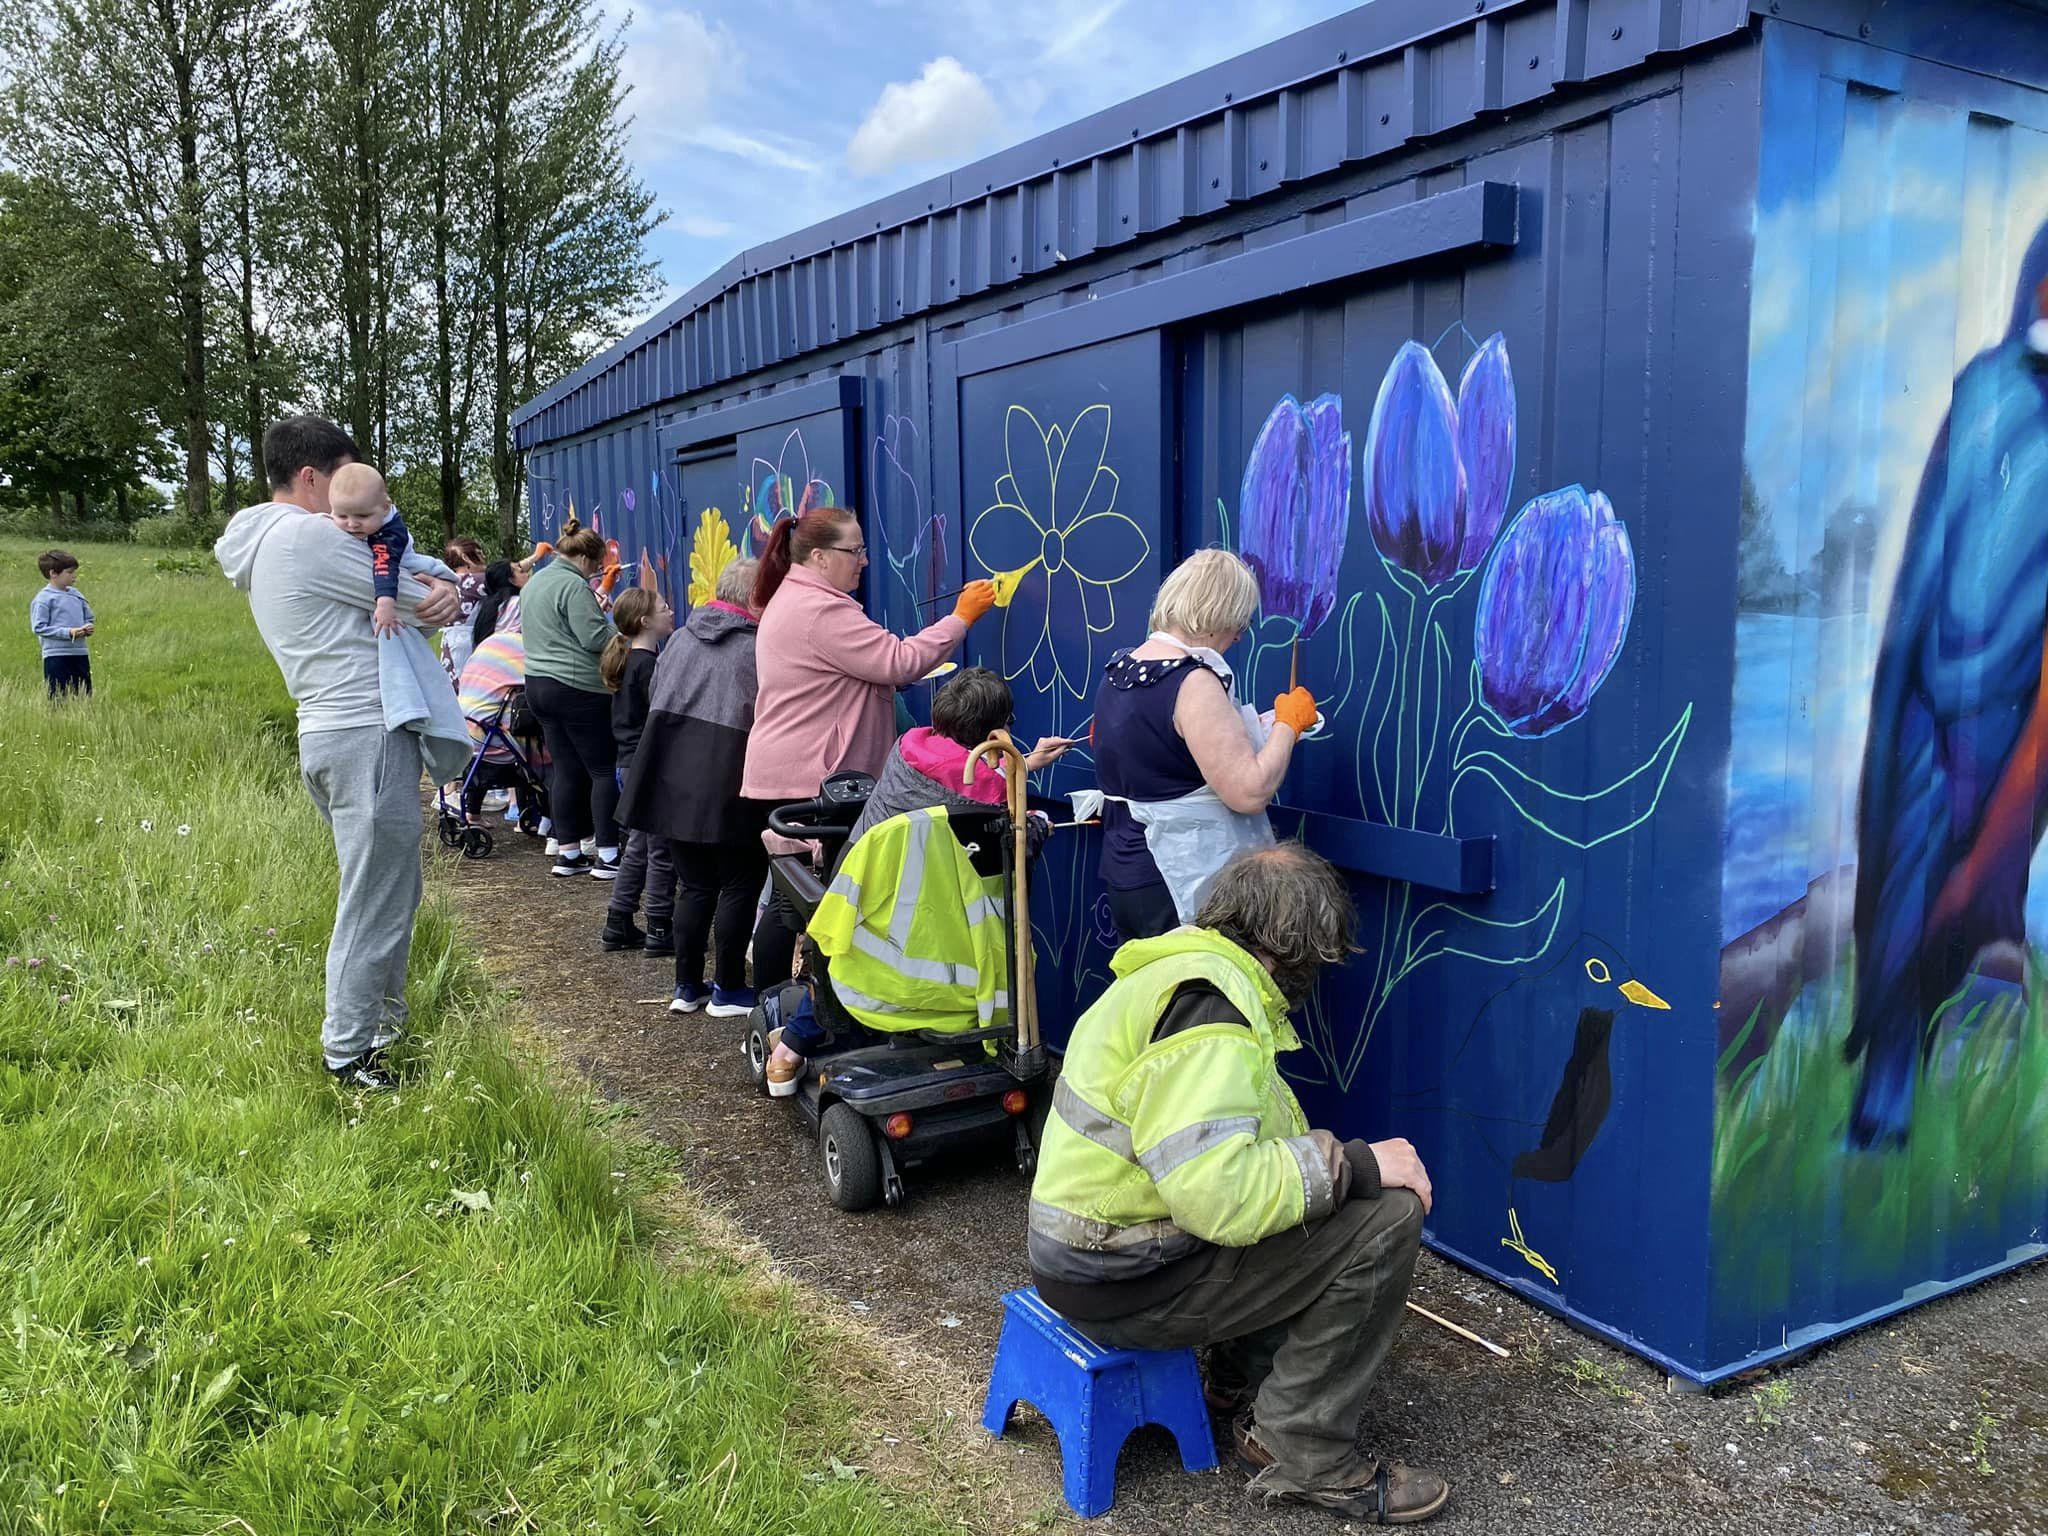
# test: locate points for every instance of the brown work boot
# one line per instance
(1391, 1494)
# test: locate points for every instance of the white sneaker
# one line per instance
(496, 800)
(552, 848)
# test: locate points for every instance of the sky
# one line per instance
(754, 118)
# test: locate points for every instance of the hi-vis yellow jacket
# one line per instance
(915, 936)
(1156, 1146)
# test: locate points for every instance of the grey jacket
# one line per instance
(310, 590)
(685, 779)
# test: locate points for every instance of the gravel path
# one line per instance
(1937, 1422)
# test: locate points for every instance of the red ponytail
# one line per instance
(792, 542)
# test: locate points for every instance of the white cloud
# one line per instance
(946, 112)
(703, 228)
(678, 64)
(775, 150)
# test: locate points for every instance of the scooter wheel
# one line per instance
(853, 1163)
(476, 842)
(755, 1049)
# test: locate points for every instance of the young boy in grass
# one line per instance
(62, 620)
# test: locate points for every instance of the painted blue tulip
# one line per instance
(1486, 446)
(1438, 470)
(1554, 607)
(1296, 508)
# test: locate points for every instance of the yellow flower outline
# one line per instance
(1037, 469)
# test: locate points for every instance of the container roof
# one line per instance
(1358, 86)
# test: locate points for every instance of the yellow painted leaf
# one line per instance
(1007, 582)
(711, 551)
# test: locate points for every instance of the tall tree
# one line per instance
(449, 136)
(112, 100)
(566, 218)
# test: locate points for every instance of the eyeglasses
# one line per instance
(858, 551)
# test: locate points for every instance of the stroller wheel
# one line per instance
(530, 817)
(450, 830)
(476, 842)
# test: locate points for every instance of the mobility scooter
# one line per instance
(882, 1103)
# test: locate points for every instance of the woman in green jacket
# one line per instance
(566, 631)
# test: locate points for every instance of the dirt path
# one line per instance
(1936, 1423)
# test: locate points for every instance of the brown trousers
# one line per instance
(1309, 1315)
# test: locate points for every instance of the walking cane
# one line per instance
(1023, 974)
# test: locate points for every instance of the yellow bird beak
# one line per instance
(1642, 996)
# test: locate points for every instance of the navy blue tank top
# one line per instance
(1139, 756)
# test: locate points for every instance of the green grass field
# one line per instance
(232, 1299)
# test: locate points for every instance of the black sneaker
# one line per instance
(368, 1073)
(621, 933)
(571, 861)
(661, 939)
(602, 868)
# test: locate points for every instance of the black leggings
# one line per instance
(583, 793)
(721, 879)
(775, 941)
(1144, 913)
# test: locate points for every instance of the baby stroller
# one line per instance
(500, 762)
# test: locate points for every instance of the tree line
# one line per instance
(408, 215)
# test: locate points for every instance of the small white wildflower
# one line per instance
(243, 1152)
(227, 1242)
(354, 1120)
(526, 1176)
(148, 826)
(143, 1262)
(433, 1163)
(184, 830)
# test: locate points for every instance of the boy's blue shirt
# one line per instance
(53, 613)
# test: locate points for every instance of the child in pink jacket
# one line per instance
(829, 676)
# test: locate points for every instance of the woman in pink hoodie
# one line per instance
(828, 678)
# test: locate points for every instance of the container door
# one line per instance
(708, 496)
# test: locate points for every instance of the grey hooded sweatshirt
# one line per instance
(310, 590)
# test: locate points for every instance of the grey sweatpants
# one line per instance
(1308, 1315)
(366, 783)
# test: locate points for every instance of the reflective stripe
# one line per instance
(1099, 1236)
(1084, 1119)
(879, 949)
(1318, 1194)
(910, 878)
(861, 1000)
(982, 908)
(846, 890)
(1191, 1141)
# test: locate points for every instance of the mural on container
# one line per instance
(711, 551)
(912, 542)
(1054, 525)
(1884, 1067)
(1556, 591)
(783, 489)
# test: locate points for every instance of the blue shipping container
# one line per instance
(1677, 375)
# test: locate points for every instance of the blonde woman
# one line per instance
(1186, 771)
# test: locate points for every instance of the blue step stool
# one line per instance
(1094, 1396)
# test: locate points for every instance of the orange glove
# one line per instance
(1296, 709)
(608, 580)
(976, 598)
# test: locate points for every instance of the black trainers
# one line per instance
(661, 939)
(368, 1073)
(620, 932)
(602, 868)
(571, 861)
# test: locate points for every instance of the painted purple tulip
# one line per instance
(1486, 446)
(1554, 607)
(1296, 508)
(627, 497)
(1438, 469)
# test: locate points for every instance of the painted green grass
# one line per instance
(232, 1299)
(1794, 1208)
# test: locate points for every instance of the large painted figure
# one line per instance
(1951, 805)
